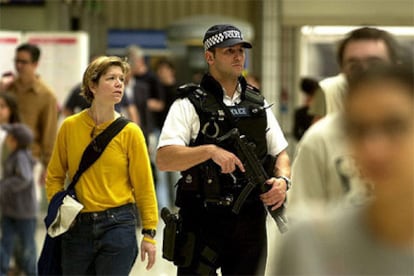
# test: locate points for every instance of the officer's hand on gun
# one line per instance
(276, 195)
(226, 160)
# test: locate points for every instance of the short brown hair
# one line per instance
(369, 33)
(96, 69)
(32, 49)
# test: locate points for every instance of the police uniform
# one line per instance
(213, 235)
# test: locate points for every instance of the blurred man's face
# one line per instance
(138, 65)
(24, 64)
(361, 54)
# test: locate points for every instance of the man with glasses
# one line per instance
(37, 105)
(323, 172)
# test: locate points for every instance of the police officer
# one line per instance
(193, 142)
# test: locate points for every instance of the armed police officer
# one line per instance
(195, 140)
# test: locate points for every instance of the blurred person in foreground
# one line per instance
(103, 239)
(323, 171)
(378, 238)
(235, 243)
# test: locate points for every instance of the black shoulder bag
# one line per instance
(49, 262)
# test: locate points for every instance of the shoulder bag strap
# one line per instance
(97, 146)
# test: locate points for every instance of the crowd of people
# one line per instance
(349, 203)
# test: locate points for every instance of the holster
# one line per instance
(178, 246)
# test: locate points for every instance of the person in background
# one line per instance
(329, 98)
(74, 102)
(303, 120)
(37, 106)
(253, 80)
(197, 76)
(165, 71)
(103, 239)
(221, 239)
(9, 114)
(7, 78)
(323, 169)
(377, 238)
(18, 204)
(145, 91)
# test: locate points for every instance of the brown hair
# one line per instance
(96, 69)
(12, 105)
(32, 49)
(368, 33)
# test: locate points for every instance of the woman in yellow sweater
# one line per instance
(103, 238)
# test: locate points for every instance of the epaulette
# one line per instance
(252, 88)
(186, 89)
(253, 94)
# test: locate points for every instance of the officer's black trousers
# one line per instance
(239, 241)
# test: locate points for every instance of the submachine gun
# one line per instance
(255, 174)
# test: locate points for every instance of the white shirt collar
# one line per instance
(236, 99)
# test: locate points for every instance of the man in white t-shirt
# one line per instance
(322, 172)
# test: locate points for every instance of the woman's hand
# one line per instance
(148, 249)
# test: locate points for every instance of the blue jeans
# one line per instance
(24, 230)
(101, 243)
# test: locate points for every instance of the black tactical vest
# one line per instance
(249, 116)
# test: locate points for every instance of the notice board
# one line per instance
(64, 57)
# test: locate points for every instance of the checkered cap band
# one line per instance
(221, 37)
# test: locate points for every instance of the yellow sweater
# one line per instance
(121, 175)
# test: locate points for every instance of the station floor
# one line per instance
(164, 268)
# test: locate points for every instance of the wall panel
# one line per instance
(348, 12)
(158, 14)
